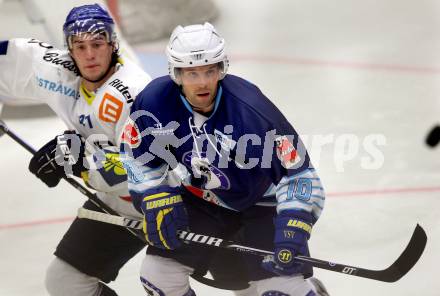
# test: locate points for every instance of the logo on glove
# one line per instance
(300, 224)
(162, 202)
(285, 256)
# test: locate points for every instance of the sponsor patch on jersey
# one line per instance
(226, 142)
(56, 58)
(4, 47)
(110, 109)
(134, 172)
(131, 134)
(111, 169)
(57, 87)
(210, 177)
(119, 85)
(53, 58)
(41, 44)
(286, 152)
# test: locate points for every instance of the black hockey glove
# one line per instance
(58, 158)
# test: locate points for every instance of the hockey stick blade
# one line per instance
(406, 260)
(394, 272)
(397, 270)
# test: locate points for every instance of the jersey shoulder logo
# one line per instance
(110, 108)
(131, 134)
(286, 152)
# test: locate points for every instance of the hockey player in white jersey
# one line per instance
(90, 87)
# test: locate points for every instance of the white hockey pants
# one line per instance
(163, 276)
(63, 279)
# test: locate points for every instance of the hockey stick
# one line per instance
(91, 196)
(105, 208)
(394, 272)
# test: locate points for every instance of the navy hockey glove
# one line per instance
(164, 214)
(292, 231)
(60, 156)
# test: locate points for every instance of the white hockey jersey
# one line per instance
(34, 70)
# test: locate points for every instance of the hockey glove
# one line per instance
(60, 156)
(164, 214)
(292, 231)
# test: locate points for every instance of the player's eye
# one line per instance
(97, 44)
(192, 75)
(211, 72)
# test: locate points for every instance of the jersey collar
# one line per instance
(88, 95)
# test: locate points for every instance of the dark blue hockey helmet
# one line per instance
(90, 18)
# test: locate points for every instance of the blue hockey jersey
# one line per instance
(241, 154)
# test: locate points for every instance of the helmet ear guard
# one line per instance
(194, 46)
(176, 75)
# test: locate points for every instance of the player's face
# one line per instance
(92, 55)
(200, 86)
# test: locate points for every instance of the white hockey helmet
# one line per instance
(193, 46)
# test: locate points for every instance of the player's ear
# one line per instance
(115, 47)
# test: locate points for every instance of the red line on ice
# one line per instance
(330, 194)
(322, 63)
(36, 223)
(385, 191)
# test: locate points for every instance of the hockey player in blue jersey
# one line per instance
(207, 151)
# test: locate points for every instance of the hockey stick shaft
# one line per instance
(110, 212)
(399, 268)
(91, 196)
